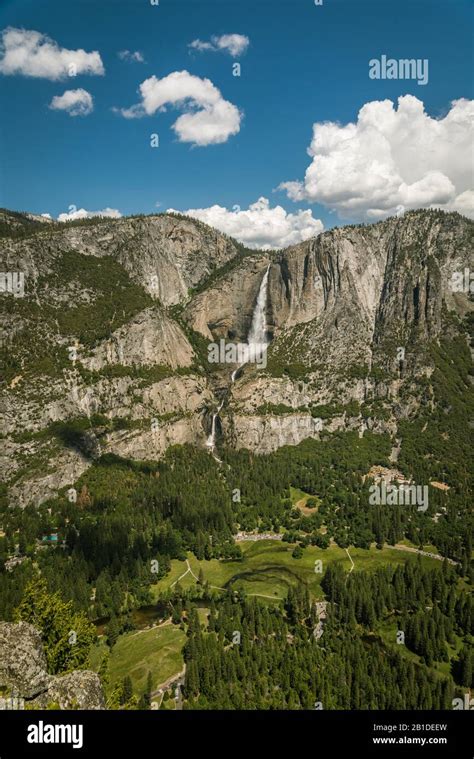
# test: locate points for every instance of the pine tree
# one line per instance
(149, 684)
(127, 689)
(112, 631)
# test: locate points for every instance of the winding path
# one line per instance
(352, 563)
(169, 681)
(410, 549)
(217, 587)
(183, 575)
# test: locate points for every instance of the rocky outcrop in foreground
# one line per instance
(23, 673)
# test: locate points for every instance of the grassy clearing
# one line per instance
(387, 630)
(97, 654)
(157, 650)
(297, 495)
(203, 614)
(300, 499)
(268, 568)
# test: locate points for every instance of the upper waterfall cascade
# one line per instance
(258, 328)
(257, 339)
(258, 336)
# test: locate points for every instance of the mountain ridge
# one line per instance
(139, 299)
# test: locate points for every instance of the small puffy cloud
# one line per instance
(208, 118)
(46, 216)
(74, 102)
(234, 44)
(131, 56)
(259, 226)
(201, 46)
(29, 53)
(81, 213)
(391, 160)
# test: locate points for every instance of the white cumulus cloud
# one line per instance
(208, 118)
(131, 56)
(201, 46)
(75, 102)
(234, 44)
(81, 213)
(391, 159)
(463, 203)
(30, 53)
(259, 226)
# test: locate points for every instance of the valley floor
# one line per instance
(267, 570)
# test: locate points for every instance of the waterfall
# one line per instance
(211, 440)
(257, 337)
(258, 328)
(257, 340)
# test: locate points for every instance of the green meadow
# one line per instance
(268, 568)
(156, 650)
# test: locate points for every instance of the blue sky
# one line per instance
(305, 64)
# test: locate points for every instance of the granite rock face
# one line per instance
(149, 338)
(225, 308)
(22, 659)
(23, 673)
(144, 421)
(78, 690)
(165, 254)
(353, 310)
(349, 313)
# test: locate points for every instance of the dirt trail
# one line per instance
(437, 556)
(216, 587)
(169, 681)
(151, 627)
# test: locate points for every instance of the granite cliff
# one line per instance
(25, 681)
(105, 348)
